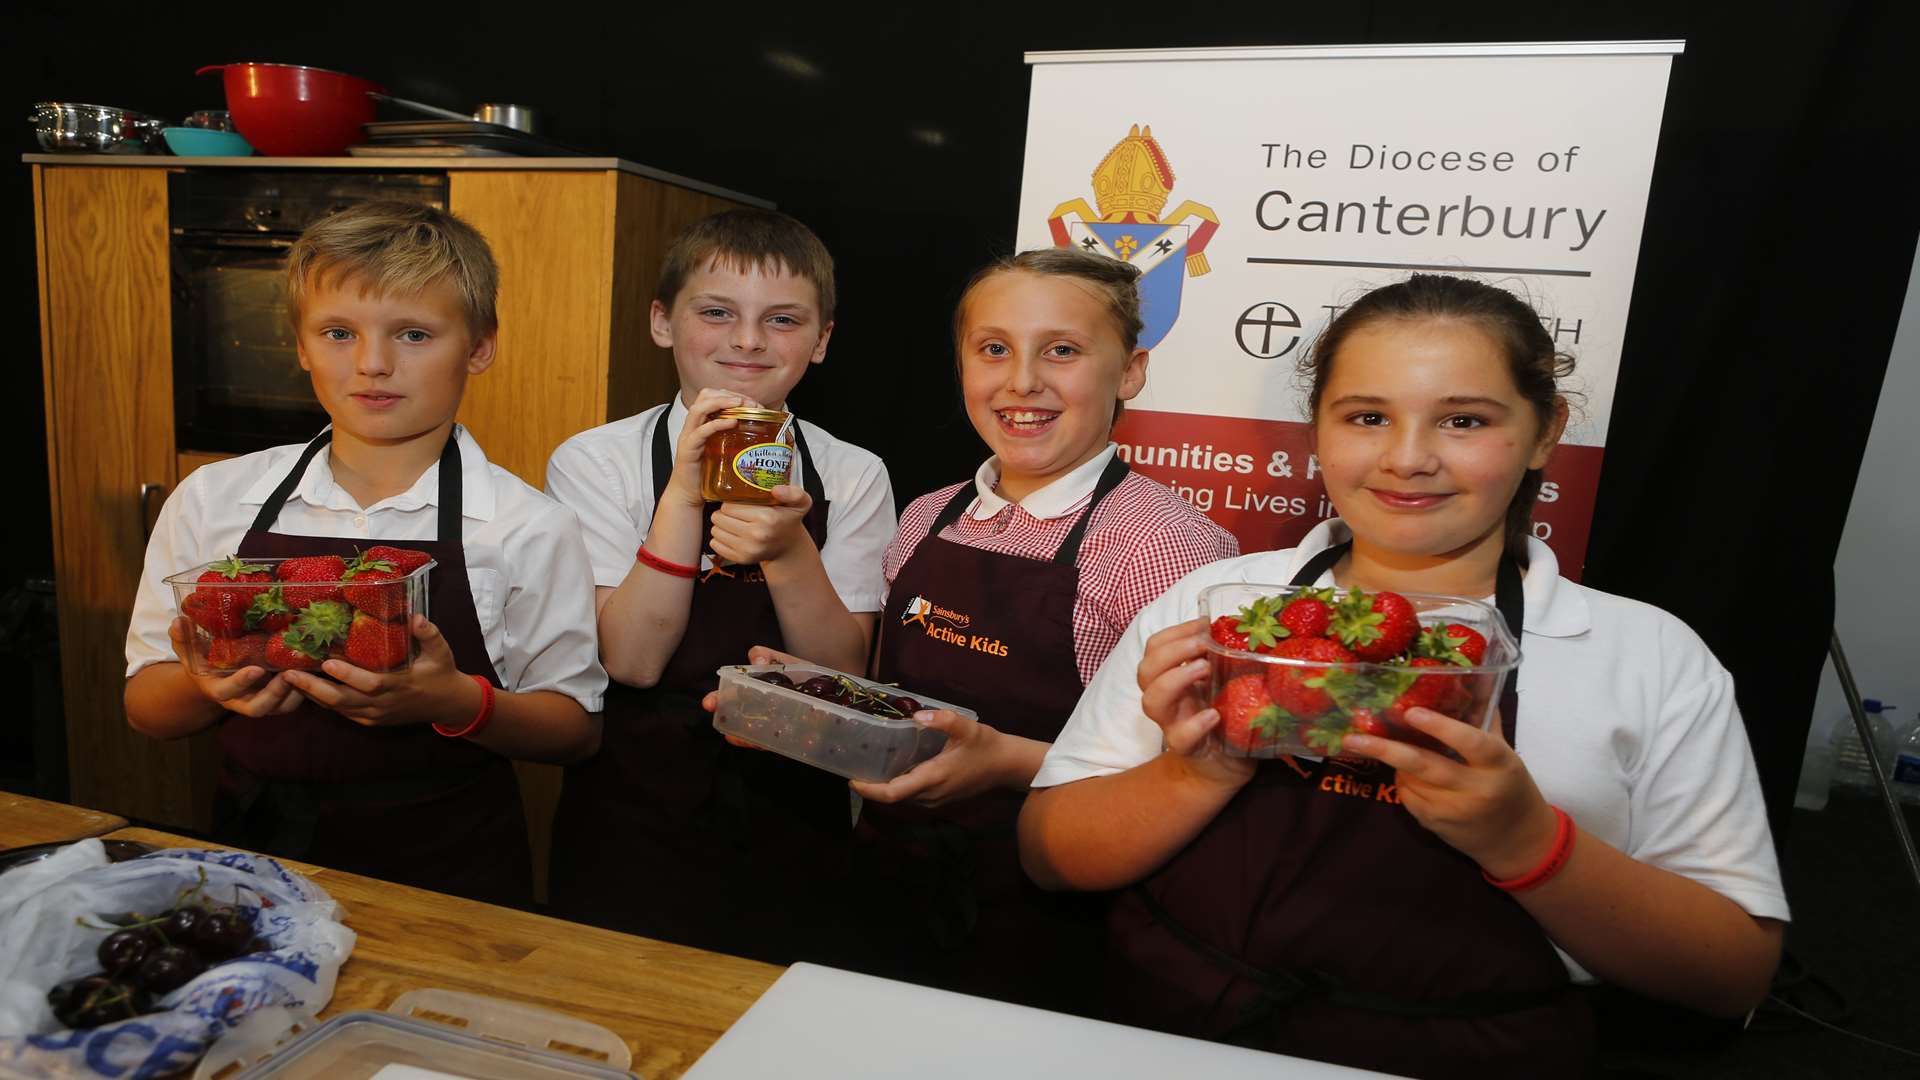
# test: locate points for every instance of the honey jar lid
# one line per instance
(745, 412)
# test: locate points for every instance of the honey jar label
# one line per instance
(764, 465)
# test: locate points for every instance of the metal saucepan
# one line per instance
(72, 127)
(517, 117)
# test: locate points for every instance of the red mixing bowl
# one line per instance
(286, 110)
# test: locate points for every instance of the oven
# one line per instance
(237, 382)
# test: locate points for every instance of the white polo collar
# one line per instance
(1057, 499)
(319, 489)
(1554, 606)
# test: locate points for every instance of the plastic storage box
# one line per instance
(830, 736)
(1361, 698)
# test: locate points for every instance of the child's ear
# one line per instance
(662, 324)
(481, 358)
(820, 347)
(1550, 435)
(1133, 376)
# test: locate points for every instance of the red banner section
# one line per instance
(1259, 479)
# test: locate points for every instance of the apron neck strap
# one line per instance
(810, 480)
(1068, 552)
(1507, 593)
(452, 489)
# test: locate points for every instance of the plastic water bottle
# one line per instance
(1906, 765)
(1851, 769)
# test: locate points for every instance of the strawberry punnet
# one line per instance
(1377, 627)
(325, 570)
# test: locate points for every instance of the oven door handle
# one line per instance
(147, 492)
(254, 242)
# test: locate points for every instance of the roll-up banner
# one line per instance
(1258, 190)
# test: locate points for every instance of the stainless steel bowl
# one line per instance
(71, 127)
(517, 117)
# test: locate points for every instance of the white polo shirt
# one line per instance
(1627, 722)
(605, 475)
(526, 565)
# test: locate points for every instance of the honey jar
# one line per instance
(747, 461)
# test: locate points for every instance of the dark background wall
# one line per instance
(1780, 230)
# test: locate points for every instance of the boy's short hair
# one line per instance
(744, 240)
(397, 248)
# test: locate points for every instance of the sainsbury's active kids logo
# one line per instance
(1131, 186)
(925, 612)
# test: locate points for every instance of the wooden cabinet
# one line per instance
(579, 245)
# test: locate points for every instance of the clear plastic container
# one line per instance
(821, 733)
(427, 1033)
(1359, 697)
(240, 621)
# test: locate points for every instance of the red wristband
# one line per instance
(672, 569)
(1555, 861)
(480, 719)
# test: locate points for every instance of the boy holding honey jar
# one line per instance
(699, 552)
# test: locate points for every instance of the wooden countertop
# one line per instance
(667, 1001)
(25, 820)
(406, 164)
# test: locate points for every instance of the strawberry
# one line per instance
(289, 650)
(376, 645)
(1298, 688)
(1253, 629)
(1453, 643)
(230, 569)
(1330, 733)
(1248, 716)
(405, 560)
(314, 637)
(219, 603)
(1441, 693)
(1376, 627)
(313, 568)
(218, 613)
(232, 654)
(1308, 613)
(269, 612)
(375, 587)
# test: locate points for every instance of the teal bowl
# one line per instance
(200, 142)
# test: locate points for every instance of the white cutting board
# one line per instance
(821, 1023)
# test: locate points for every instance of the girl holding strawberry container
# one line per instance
(1419, 909)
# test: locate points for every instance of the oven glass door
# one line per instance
(238, 385)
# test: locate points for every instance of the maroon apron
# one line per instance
(1314, 916)
(400, 803)
(673, 834)
(962, 913)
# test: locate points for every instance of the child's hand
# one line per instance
(241, 692)
(1172, 667)
(748, 533)
(432, 691)
(1485, 806)
(701, 426)
(970, 763)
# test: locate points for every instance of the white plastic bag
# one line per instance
(51, 935)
